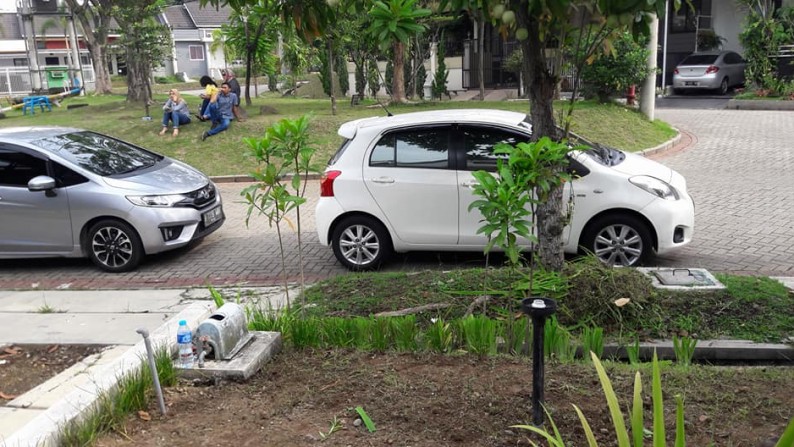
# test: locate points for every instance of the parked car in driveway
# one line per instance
(68, 192)
(403, 183)
(713, 70)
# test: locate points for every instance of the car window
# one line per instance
(98, 153)
(66, 177)
(479, 142)
(733, 58)
(415, 148)
(699, 59)
(17, 168)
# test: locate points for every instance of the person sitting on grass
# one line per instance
(221, 111)
(175, 110)
(210, 90)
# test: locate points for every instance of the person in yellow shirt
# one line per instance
(210, 93)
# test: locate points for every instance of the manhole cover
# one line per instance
(682, 278)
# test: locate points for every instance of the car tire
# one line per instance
(361, 243)
(678, 91)
(723, 90)
(113, 246)
(618, 239)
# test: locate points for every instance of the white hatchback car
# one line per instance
(403, 183)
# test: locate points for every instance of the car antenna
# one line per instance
(384, 107)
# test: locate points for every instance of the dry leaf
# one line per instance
(52, 349)
(11, 351)
(7, 396)
(144, 415)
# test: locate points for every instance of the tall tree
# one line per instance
(94, 18)
(393, 24)
(146, 43)
(543, 25)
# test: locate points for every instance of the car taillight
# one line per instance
(327, 183)
(675, 71)
(712, 69)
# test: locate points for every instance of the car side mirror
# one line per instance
(42, 183)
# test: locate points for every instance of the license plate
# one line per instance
(212, 216)
(690, 83)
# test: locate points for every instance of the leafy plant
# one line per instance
(557, 341)
(633, 352)
(335, 427)
(439, 336)
(405, 333)
(285, 148)
(613, 73)
(366, 419)
(439, 86)
(593, 341)
(479, 333)
(620, 431)
(684, 349)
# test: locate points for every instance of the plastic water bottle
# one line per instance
(185, 345)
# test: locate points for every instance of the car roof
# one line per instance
(489, 116)
(32, 133)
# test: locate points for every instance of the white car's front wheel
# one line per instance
(360, 243)
(618, 240)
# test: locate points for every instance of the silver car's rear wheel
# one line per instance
(360, 243)
(723, 86)
(618, 240)
(114, 246)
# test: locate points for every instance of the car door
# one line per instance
(31, 222)
(736, 66)
(474, 148)
(408, 174)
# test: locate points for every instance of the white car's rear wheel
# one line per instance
(618, 240)
(361, 243)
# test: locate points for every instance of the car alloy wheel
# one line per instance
(360, 243)
(114, 246)
(724, 86)
(618, 240)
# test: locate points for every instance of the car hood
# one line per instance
(635, 164)
(167, 177)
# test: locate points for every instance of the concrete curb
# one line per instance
(44, 429)
(759, 104)
(667, 145)
(712, 350)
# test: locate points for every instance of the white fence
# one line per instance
(16, 81)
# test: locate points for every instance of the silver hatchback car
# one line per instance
(68, 192)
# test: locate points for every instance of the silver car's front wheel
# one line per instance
(360, 243)
(114, 246)
(618, 240)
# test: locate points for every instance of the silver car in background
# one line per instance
(68, 192)
(713, 70)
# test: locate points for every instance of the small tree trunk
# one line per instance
(137, 80)
(481, 56)
(541, 87)
(398, 79)
(330, 44)
(101, 72)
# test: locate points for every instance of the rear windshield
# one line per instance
(700, 59)
(98, 153)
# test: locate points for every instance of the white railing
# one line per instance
(15, 81)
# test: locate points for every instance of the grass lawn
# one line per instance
(226, 154)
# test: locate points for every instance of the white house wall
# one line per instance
(12, 46)
(454, 79)
(728, 21)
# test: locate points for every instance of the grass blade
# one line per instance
(658, 407)
(365, 418)
(680, 436)
(588, 432)
(612, 402)
(553, 442)
(636, 412)
(787, 439)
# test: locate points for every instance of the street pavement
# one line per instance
(737, 163)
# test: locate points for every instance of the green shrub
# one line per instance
(613, 73)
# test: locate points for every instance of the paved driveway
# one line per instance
(739, 168)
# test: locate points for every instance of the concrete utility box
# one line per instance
(682, 278)
(226, 330)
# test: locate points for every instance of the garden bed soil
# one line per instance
(23, 367)
(450, 400)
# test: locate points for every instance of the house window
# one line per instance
(196, 52)
(20, 62)
(52, 60)
(685, 19)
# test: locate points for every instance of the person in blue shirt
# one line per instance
(221, 111)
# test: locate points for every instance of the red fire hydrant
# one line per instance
(631, 94)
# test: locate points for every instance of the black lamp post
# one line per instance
(538, 309)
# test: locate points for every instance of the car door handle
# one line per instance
(383, 180)
(470, 183)
(598, 191)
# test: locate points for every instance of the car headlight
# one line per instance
(657, 187)
(156, 201)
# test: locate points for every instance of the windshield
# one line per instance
(699, 59)
(98, 153)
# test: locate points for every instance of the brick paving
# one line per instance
(738, 166)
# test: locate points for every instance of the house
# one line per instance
(192, 31)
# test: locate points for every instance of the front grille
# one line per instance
(200, 197)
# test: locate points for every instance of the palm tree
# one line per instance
(394, 22)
